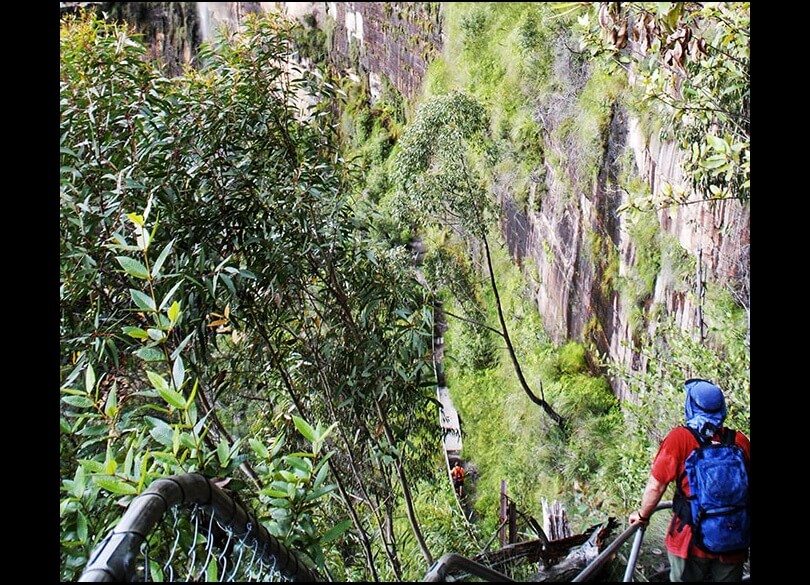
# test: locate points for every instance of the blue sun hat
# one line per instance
(705, 406)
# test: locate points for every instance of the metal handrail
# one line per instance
(451, 561)
(607, 553)
(113, 559)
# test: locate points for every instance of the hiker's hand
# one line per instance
(637, 518)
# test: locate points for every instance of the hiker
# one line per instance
(691, 535)
(457, 473)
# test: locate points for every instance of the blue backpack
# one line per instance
(718, 505)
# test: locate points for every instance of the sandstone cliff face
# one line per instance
(394, 39)
(554, 243)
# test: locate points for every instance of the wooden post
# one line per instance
(502, 520)
(512, 523)
(555, 521)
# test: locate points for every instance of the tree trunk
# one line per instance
(505, 332)
(356, 521)
(358, 477)
(406, 490)
(575, 562)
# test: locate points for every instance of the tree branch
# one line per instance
(476, 323)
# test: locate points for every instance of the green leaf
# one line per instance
(318, 492)
(274, 493)
(110, 465)
(111, 408)
(228, 283)
(89, 379)
(133, 267)
(79, 483)
(91, 465)
(143, 469)
(259, 448)
(290, 478)
(114, 485)
(714, 161)
(169, 295)
(161, 431)
(171, 396)
(305, 428)
(136, 332)
(182, 346)
(81, 527)
(304, 465)
(161, 259)
(156, 571)
(174, 398)
(150, 354)
(79, 401)
(157, 381)
(190, 400)
(322, 434)
(128, 460)
(223, 452)
(142, 301)
(247, 274)
(142, 238)
(92, 430)
(336, 531)
(179, 374)
(174, 312)
(716, 143)
(321, 476)
(187, 441)
(66, 506)
(279, 442)
(156, 334)
(212, 571)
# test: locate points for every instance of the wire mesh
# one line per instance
(190, 545)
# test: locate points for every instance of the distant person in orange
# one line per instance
(457, 473)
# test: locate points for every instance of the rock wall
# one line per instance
(555, 238)
(392, 39)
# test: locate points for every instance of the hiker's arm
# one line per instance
(649, 500)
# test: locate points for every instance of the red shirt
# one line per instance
(668, 467)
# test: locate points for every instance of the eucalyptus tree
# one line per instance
(342, 327)
(439, 183)
(210, 259)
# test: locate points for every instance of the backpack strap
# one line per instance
(729, 437)
(681, 506)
